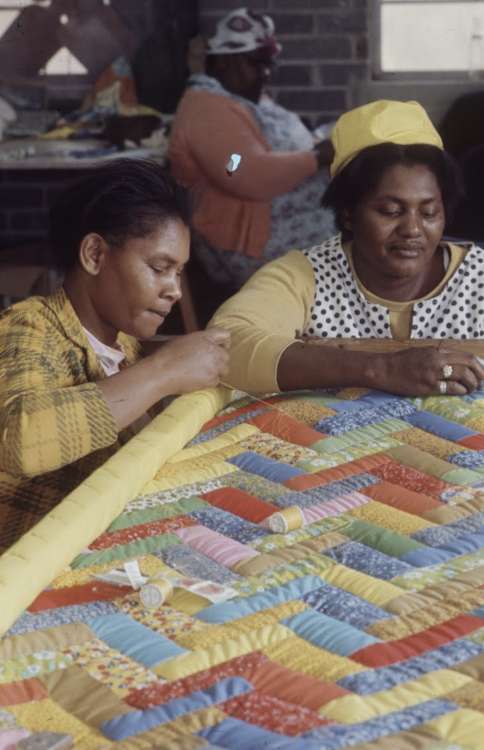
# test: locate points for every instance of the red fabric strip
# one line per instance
(306, 482)
(286, 428)
(156, 694)
(412, 479)
(401, 498)
(240, 503)
(384, 654)
(293, 687)
(143, 530)
(95, 591)
(273, 714)
(256, 406)
(473, 442)
(26, 691)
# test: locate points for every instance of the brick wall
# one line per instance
(25, 195)
(325, 51)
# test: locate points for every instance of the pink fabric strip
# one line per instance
(216, 546)
(8, 740)
(334, 507)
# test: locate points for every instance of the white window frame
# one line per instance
(424, 75)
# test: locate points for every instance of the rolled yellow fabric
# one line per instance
(32, 562)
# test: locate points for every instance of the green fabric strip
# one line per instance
(168, 510)
(360, 435)
(384, 540)
(122, 551)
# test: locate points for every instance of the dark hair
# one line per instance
(363, 173)
(119, 200)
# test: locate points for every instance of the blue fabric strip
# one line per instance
(385, 678)
(325, 632)
(231, 610)
(28, 622)
(139, 721)
(135, 640)
(266, 467)
(234, 734)
(439, 426)
(341, 605)
(343, 736)
(370, 561)
(423, 558)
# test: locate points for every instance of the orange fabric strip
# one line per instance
(26, 691)
(401, 498)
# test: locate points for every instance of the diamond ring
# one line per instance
(443, 387)
(447, 371)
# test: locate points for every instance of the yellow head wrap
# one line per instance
(380, 122)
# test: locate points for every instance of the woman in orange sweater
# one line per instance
(269, 204)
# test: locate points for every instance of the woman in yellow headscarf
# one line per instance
(388, 274)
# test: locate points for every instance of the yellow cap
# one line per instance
(380, 122)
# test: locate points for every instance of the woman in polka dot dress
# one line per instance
(388, 274)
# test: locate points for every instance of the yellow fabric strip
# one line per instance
(432, 444)
(188, 664)
(395, 629)
(189, 723)
(84, 697)
(30, 564)
(419, 738)
(48, 716)
(451, 513)
(458, 586)
(156, 738)
(161, 483)
(220, 633)
(352, 709)
(255, 566)
(301, 656)
(463, 727)
(368, 588)
(51, 639)
(228, 439)
(390, 518)
(473, 668)
(468, 696)
(198, 463)
(414, 458)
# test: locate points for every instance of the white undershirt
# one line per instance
(110, 360)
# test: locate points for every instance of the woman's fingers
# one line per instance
(434, 371)
(458, 369)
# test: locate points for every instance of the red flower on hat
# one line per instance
(239, 23)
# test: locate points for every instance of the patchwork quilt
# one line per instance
(356, 621)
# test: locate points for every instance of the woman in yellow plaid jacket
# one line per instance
(75, 382)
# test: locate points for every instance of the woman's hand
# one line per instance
(324, 152)
(183, 364)
(195, 361)
(420, 372)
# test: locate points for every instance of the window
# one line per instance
(429, 38)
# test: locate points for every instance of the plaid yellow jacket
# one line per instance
(55, 425)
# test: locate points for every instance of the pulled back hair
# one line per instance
(123, 199)
(362, 175)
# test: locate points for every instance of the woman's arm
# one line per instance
(412, 371)
(182, 365)
(271, 312)
(216, 127)
(47, 421)
(265, 318)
